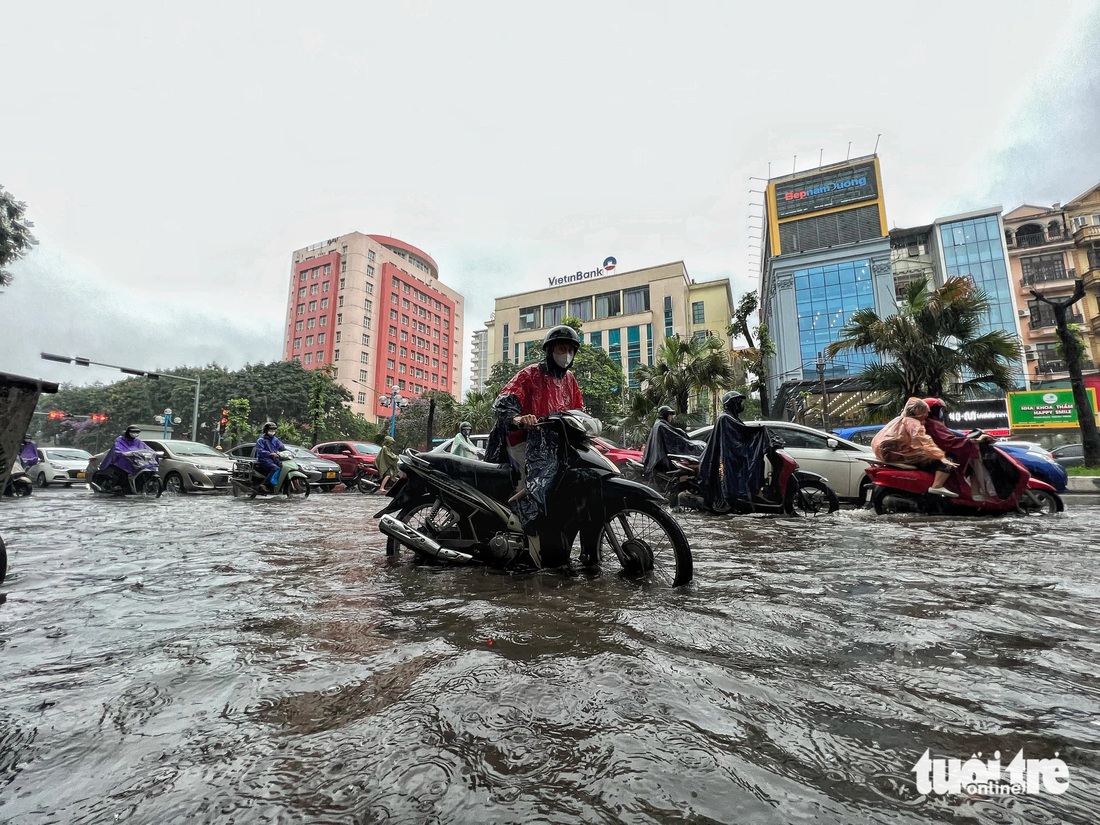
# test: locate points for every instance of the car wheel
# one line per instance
(173, 483)
(40, 480)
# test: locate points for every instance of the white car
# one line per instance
(842, 462)
(59, 465)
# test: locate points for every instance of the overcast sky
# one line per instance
(173, 157)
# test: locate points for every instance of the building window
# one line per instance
(340, 301)
(298, 326)
(337, 336)
(344, 265)
(370, 254)
(343, 283)
(362, 375)
(1041, 268)
(311, 323)
(608, 305)
(324, 303)
(698, 314)
(614, 346)
(636, 300)
(390, 364)
(301, 309)
(368, 304)
(328, 269)
(551, 314)
(325, 286)
(581, 308)
(297, 343)
(324, 320)
(366, 340)
(668, 316)
(370, 289)
(529, 318)
(309, 358)
(362, 398)
(336, 355)
(313, 289)
(302, 292)
(633, 354)
(312, 306)
(362, 358)
(309, 340)
(339, 318)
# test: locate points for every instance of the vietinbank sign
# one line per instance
(826, 190)
(609, 264)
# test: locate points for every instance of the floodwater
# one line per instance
(211, 659)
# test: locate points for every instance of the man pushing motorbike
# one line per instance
(732, 465)
(534, 392)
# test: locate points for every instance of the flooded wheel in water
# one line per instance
(434, 519)
(149, 487)
(647, 541)
(811, 497)
(1042, 502)
(173, 483)
(297, 487)
(890, 501)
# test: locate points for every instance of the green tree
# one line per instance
(500, 374)
(601, 382)
(239, 429)
(755, 357)
(683, 369)
(933, 346)
(15, 234)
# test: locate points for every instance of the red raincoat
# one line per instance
(540, 394)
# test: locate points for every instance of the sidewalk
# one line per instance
(1085, 489)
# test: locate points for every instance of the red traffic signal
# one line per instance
(98, 418)
(224, 421)
(57, 415)
(225, 413)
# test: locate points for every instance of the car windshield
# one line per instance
(298, 451)
(67, 455)
(190, 448)
(367, 449)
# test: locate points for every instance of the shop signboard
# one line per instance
(1045, 409)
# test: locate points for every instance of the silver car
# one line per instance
(188, 466)
(59, 465)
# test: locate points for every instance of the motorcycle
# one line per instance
(902, 488)
(19, 483)
(786, 491)
(456, 509)
(366, 480)
(143, 481)
(245, 479)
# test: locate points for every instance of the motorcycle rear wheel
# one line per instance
(647, 541)
(811, 497)
(434, 519)
(887, 501)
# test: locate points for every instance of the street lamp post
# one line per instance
(824, 394)
(394, 400)
(84, 362)
(166, 418)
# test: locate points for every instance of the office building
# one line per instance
(627, 314)
(479, 351)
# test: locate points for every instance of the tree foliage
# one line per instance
(755, 357)
(932, 346)
(15, 234)
(684, 369)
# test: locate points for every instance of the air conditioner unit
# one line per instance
(1023, 313)
(1030, 352)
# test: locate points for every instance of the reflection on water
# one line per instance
(212, 660)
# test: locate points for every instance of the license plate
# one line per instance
(330, 474)
(80, 474)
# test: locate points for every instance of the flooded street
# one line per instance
(211, 659)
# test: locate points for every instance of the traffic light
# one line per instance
(98, 418)
(57, 415)
(223, 422)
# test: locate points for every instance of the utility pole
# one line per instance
(824, 394)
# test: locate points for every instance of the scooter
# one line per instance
(787, 490)
(245, 479)
(366, 480)
(143, 481)
(456, 509)
(19, 483)
(900, 488)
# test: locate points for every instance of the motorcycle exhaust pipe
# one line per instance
(397, 529)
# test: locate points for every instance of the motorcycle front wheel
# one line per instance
(297, 486)
(365, 485)
(22, 489)
(647, 541)
(434, 519)
(811, 497)
(149, 487)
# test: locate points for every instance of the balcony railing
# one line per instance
(1029, 241)
(1059, 365)
(1045, 322)
(1036, 278)
(1086, 234)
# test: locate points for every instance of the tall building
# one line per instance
(627, 314)
(374, 307)
(479, 377)
(1050, 248)
(826, 255)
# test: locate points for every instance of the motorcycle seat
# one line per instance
(459, 467)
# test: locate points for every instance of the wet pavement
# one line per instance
(210, 659)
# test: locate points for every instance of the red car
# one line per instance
(354, 457)
(617, 455)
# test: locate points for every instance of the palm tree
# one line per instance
(932, 346)
(683, 368)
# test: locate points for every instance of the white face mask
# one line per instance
(563, 359)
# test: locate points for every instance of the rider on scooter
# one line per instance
(28, 453)
(732, 465)
(964, 451)
(904, 440)
(268, 447)
(665, 438)
(532, 393)
(119, 459)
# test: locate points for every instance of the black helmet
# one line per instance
(270, 425)
(133, 429)
(563, 334)
(465, 425)
(733, 402)
(664, 411)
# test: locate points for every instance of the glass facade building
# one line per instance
(974, 248)
(826, 296)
